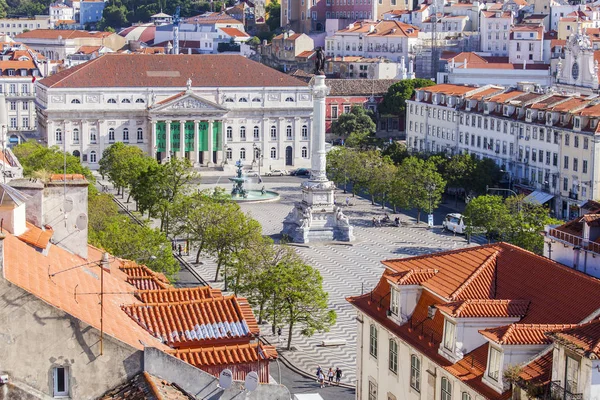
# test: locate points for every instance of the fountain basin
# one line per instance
(256, 196)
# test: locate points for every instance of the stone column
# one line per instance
(209, 162)
(84, 135)
(181, 150)
(153, 140)
(221, 148)
(318, 162)
(196, 157)
(50, 139)
(167, 156)
(296, 147)
(280, 146)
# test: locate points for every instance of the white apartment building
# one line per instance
(212, 109)
(389, 39)
(15, 26)
(526, 44)
(60, 12)
(495, 30)
(545, 142)
(448, 325)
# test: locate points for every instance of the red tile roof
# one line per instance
(234, 32)
(143, 278)
(538, 371)
(224, 355)
(178, 323)
(63, 33)
(168, 70)
(522, 333)
(175, 295)
(37, 237)
(478, 308)
(585, 338)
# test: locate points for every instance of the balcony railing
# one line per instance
(566, 237)
(557, 392)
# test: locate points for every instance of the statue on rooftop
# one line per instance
(320, 62)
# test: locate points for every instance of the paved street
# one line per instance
(346, 269)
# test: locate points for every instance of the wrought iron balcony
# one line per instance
(557, 392)
(573, 195)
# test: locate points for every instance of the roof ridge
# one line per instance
(443, 253)
(491, 259)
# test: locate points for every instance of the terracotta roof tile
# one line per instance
(491, 308)
(584, 338)
(522, 334)
(178, 323)
(449, 89)
(359, 87)
(37, 237)
(234, 32)
(175, 295)
(28, 269)
(538, 371)
(64, 33)
(168, 70)
(413, 277)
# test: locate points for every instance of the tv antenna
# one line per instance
(225, 379)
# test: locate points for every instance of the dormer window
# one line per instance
(394, 301)
(540, 115)
(494, 363)
(549, 119)
(449, 335)
(571, 374)
(577, 122)
(505, 111)
(528, 114)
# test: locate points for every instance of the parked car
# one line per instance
(251, 173)
(301, 172)
(454, 223)
(277, 172)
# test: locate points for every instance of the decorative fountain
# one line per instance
(240, 193)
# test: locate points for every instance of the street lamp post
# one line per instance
(430, 188)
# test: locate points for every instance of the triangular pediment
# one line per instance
(186, 101)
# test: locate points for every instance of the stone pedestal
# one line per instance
(316, 218)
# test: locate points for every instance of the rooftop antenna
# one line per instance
(225, 379)
(176, 22)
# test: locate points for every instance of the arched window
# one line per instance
(139, 101)
(256, 100)
(288, 132)
(273, 153)
(76, 135)
(373, 340)
(229, 100)
(242, 154)
(304, 132)
(125, 101)
(393, 356)
(446, 389)
(93, 137)
(92, 156)
(77, 154)
(126, 135)
(242, 133)
(466, 396)
(290, 99)
(140, 135)
(229, 132)
(75, 101)
(256, 133)
(304, 152)
(58, 135)
(111, 135)
(243, 100)
(415, 373)
(112, 101)
(273, 132)
(229, 154)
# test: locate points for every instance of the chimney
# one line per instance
(105, 263)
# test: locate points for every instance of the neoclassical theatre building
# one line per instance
(212, 109)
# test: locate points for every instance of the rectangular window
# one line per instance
(584, 167)
(13, 106)
(494, 364)
(415, 373)
(394, 301)
(372, 390)
(575, 164)
(565, 184)
(346, 109)
(25, 105)
(25, 122)
(373, 341)
(566, 162)
(13, 122)
(555, 159)
(449, 330)
(585, 143)
(334, 112)
(571, 374)
(61, 382)
(575, 141)
(393, 359)
(566, 139)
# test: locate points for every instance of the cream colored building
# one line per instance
(546, 142)
(211, 109)
(15, 26)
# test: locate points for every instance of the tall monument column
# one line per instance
(316, 218)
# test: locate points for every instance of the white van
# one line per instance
(454, 223)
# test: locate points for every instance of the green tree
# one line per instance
(302, 299)
(486, 174)
(458, 172)
(123, 165)
(527, 221)
(273, 10)
(357, 122)
(114, 16)
(379, 174)
(394, 101)
(344, 166)
(418, 185)
(488, 213)
(396, 151)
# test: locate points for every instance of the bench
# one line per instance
(333, 342)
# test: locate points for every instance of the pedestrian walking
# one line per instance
(338, 376)
(173, 247)
(318, 372)
(179, 248)
(330, 376)
(347, 201)
(321, 379)
(279, 334)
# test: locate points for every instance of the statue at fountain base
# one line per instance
(316, 218)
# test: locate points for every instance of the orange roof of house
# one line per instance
(143, 277)
(383, 28)
(449, 89)
(470, 57)
(234, 32)
(502, 97)
(29, 270)
(585, 338)
(522, 333)
(484, 93)
(482, 308)
(88, 49)
(538, 371)
(63, 33)
(225, 355)
(36, 237)
(201, 320)
(487, 278)
(175, 295)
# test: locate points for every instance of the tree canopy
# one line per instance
(394, 101)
